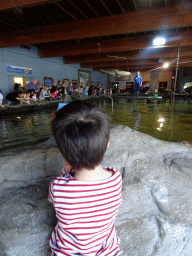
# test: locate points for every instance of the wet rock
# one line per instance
(154, 219)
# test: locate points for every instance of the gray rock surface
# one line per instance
(154, 219)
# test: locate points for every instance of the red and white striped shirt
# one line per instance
(85, 213)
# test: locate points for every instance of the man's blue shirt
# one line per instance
(31, 86)
(138, 79)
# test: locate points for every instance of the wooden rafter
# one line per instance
(8, 24)
(106, 7)
(137, 43)
(11, 20)
(52, 12)
(78, 8)
(41, 14)
(123, 63)
(91, 7)
(135, 5)
(120, 6)
(62, 8)
(132, 55)
(147, 20)
(9, 4)
(117, 63)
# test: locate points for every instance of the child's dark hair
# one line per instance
(81, 131)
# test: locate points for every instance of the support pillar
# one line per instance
(180, 81)
(154, 80)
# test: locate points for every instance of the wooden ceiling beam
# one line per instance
(133, 22)
(106, 7)
(78, 9)
(118, 63)
(62, 8)
(120, 6)
(127, 63)
(138, 67)
(10, 4)
(107, 46)
(132, 55)
(87, 3)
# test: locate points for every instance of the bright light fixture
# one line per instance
(159, 41)
(166, 65)
(161, 119)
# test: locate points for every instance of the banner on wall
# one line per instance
(19, 70)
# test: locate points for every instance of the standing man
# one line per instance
(32, 85)
(138, 82)
(70, 88)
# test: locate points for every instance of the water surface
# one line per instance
(162, 121)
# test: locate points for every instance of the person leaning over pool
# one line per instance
(85, 196)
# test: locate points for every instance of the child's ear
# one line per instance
(108, 143)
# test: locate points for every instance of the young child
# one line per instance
(26, 97)
(54, 94)
(34, 97)
(86, 197)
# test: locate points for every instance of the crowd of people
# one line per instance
(38, 92)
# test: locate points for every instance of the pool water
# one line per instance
(162, 121)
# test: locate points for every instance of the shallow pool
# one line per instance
(162, 121)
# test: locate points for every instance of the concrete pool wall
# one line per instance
(154, 219)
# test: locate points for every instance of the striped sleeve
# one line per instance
(51, 196)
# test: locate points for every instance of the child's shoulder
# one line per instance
(63, 178)
(115, 171)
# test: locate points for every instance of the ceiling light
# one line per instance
(166, 65)
(161, 119)
(159, 41)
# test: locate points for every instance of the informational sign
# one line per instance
(19, 70)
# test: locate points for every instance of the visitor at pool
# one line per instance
(63, 89)
(85, 196)
(48, 94)
(60, 94)
(16, 98)
(54, 87)
(91, 90)
(138, 82)
(43, 92)
(80, 88)
(38, 86)
(70, 88)
(54, 95)
(59, 84)
(18, 88)
(26, 96)
(1, 99)
(32, 85)
(34, 97)
(84, 90)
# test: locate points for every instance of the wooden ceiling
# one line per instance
(101, 34)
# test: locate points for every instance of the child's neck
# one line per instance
(92, 175)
